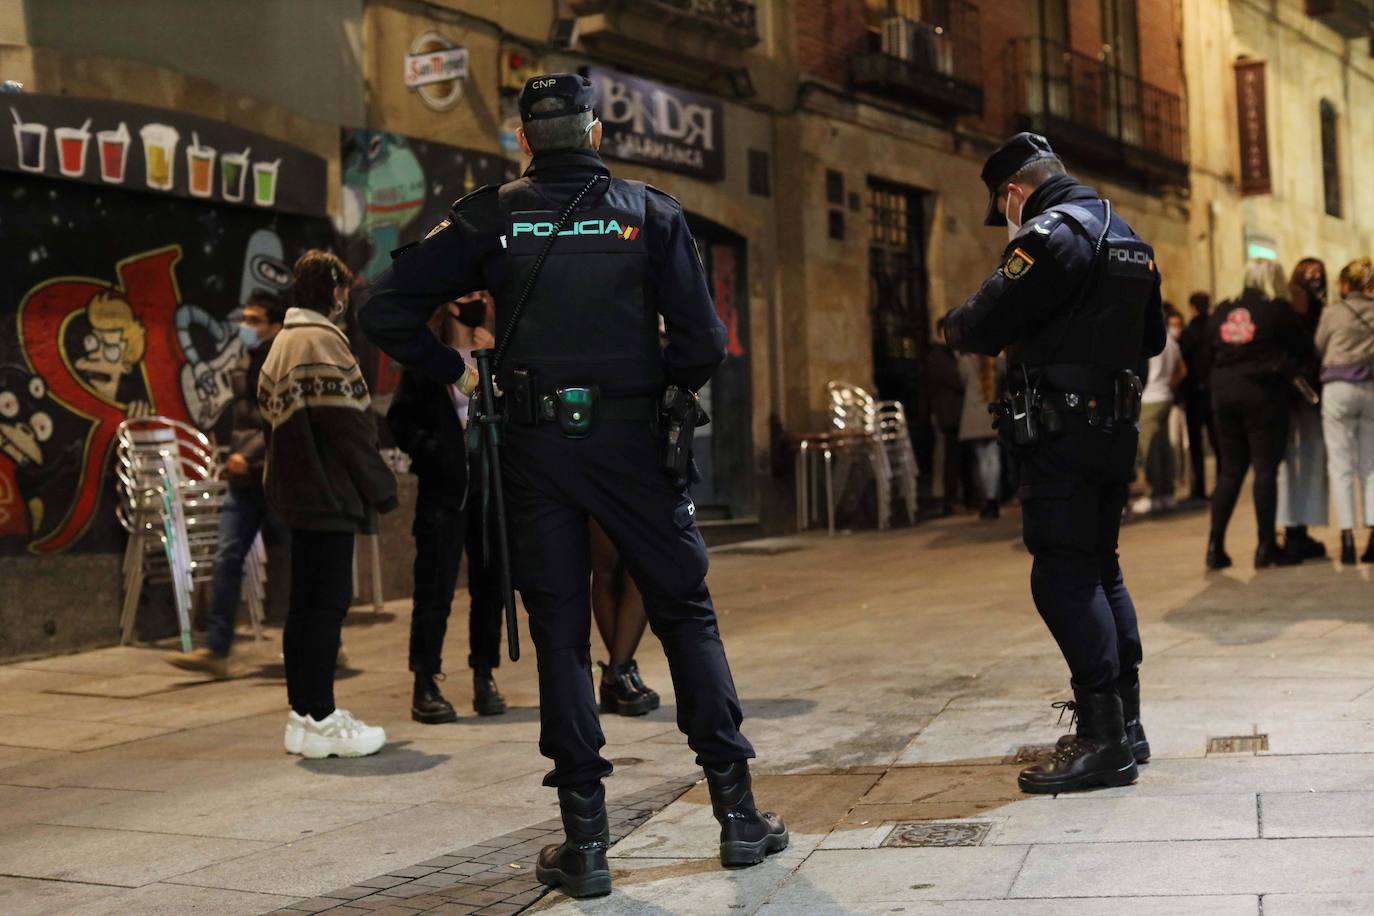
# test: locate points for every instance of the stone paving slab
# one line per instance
(843, 878)
(1325, 904)
(121, 857)
(1318, 814)
(1078, 906)
(1297, 866)
(1089, 819)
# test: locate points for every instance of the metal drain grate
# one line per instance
(1032, 753)
(1238, 744)
(935, 833)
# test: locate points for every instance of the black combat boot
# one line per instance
(486, 699)
(1128, 688)
(1217, 557)
(746, 834)
(655, 701)
(1294, 545)
(1368, 555)
(619, 694)
(1348, 547)
(427, 704)
(1268, 553)
(1098, 755)
(578, 864)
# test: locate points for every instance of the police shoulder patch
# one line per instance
(471, 194)
(443, 224)
(1017, 265)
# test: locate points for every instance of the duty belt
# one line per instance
(1118, 405)
(602, 408)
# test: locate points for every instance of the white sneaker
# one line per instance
(340, 735)
(295, 732)
(1142, 506)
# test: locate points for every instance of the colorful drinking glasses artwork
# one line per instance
(102, 154)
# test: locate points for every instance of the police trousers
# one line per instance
(553, 485)
(1073, 491)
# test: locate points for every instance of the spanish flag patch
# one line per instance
(1017, 265)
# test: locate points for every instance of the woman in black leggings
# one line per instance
(1257, 341)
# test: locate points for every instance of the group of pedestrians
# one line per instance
(962, 387)
(304, 469)
(1292, 396)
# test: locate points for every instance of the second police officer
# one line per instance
(1076, 305)
(582, 375)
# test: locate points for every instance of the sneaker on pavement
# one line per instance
(1142, 506)
(340, 735)
(203, 661)
(295, 732)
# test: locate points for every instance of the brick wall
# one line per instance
(829, 33)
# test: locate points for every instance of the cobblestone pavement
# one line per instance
(890, 683)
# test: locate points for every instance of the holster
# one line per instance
(680, 413)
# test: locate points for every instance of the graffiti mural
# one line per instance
(120, 304)
(395, 189)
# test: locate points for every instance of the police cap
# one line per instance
(1006, 161)
(571, 89)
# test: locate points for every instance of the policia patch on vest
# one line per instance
(1018, 265)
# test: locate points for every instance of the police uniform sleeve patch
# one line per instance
(443, 224)
(1018, 265)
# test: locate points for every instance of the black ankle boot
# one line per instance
(1368, 555)
(1268, 553)
(1128, 688)
(1348, 548)
(428, 705)
(1294, 544)
(619, 694)
(1216, 553)
(578, 865)
(1098, 755)
(1312, 549)
(486, 699)
(746, 834)
(632, 668)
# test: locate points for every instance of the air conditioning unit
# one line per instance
(899, 38)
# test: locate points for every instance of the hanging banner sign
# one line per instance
(140, 148)
(1252, 115)
(435, 69)
(659, 125)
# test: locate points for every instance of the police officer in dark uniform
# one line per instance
(582, 376)
(1076, 304)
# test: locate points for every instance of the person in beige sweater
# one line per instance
(1345, 340)
(326, 479)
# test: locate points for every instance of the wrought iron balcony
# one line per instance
(733, 22)
(1096, 113)
(1351, 18)
(934, 62)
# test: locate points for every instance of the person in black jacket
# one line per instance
(427, 420)
(1197, 394)
(947, 408)
(245, 510)
(1257, 341)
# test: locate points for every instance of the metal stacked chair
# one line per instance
(893, 432)
(171, 498)
(854, 436)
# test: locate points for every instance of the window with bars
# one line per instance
(897, 286)
(1331, 165)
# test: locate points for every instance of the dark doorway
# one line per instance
(899, 310)
(724, 449)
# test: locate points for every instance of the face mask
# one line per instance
(1175, 333)
(248, 336)
(340, 306)
(473, 313)
(1012, 227)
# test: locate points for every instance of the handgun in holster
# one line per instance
(679, 414)
(1129, 390)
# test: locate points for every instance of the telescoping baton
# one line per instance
(490, 425)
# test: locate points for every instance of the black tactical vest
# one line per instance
(1085, 348)
(586, 322)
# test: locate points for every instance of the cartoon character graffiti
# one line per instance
(213, 351)
(384, 191)
(114, 348)
(35, 450)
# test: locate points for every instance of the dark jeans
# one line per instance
(440, 536)
(1073, 490)
(1252, 430)
(953, 461)
(553, 484)
(1198, 407)
(321, 591)
(244, 512)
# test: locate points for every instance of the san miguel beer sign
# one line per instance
(1253, 130)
